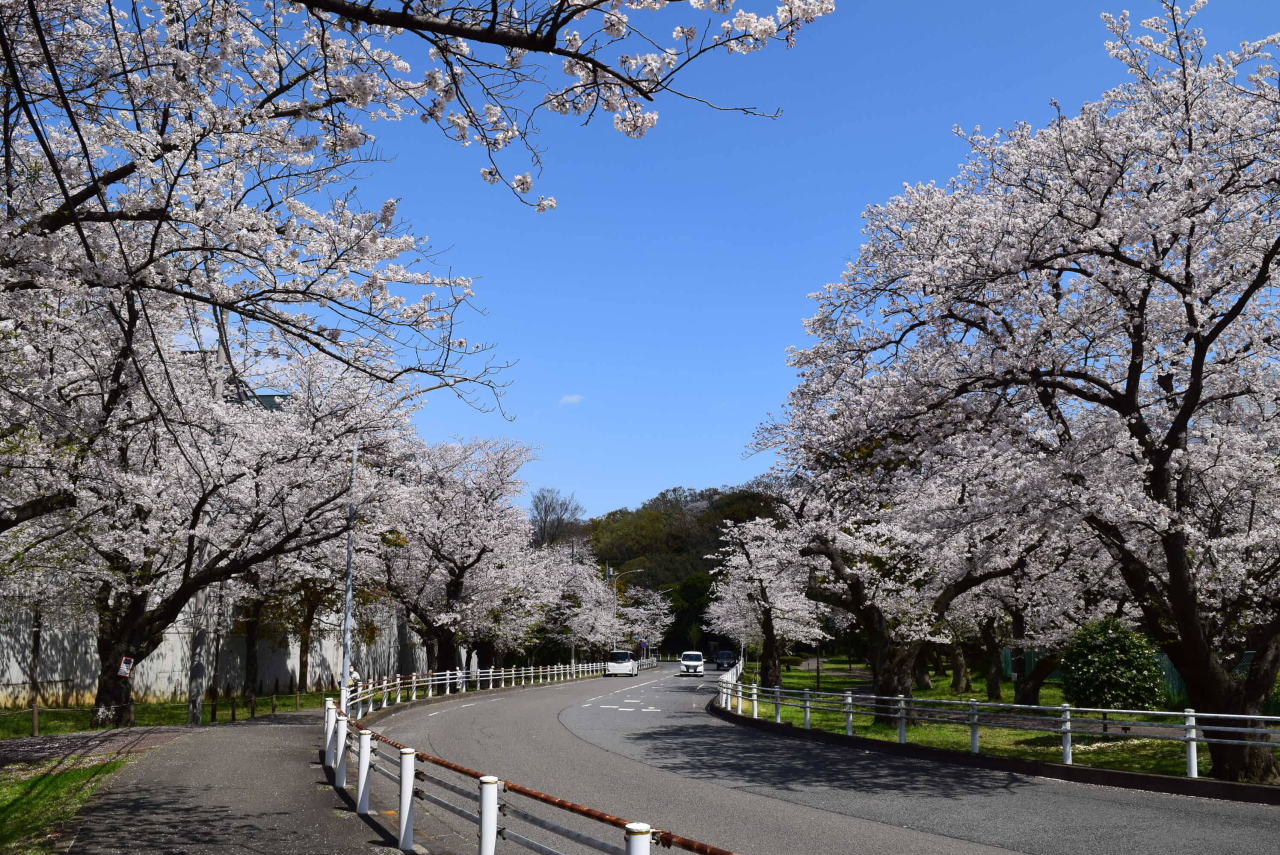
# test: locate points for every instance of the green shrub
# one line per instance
(790, 662)
(1108, 665)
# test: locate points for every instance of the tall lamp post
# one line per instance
(609, 574)
(346, 612)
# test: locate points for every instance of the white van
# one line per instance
(622, 663)
(691, 663)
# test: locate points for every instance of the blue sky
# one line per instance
(665, 290)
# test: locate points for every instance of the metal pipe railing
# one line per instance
(1069, 721)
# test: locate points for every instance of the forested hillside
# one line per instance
(670, 538)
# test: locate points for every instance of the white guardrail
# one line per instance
(482, 805)
(1216, 728)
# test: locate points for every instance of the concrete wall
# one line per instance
(69, 661)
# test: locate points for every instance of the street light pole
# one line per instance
(351, 549)
(616, 577)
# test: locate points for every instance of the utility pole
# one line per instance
(351, 552)
(609, 574)
(200, 600)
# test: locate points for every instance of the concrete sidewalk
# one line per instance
(252, 787)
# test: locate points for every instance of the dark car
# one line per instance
(725, 660)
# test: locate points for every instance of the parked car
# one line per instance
(725, 660)
(621, 662)
(691, 663)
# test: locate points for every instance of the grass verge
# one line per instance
(1119, 750)
(17, 723)
(36, 801)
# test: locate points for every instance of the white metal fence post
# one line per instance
(340, 758)
(362, 773)
(488, 815)
(902, 720)
(738, 689)
(386, 691)
(754, 694)
(777, 705)
(399, 685)
(1193, 761)
(848, 713)
(413, 688)
(1066, 734)
(806, 709)
(638, 836)
(406, 799)
(330, 719)
(973, 726)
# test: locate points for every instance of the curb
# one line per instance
(1205, 788)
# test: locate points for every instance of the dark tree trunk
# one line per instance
(959, 671)
(939, 661)
(1027, 690)
(406, 662)
(923, 681)
(304, 645)
(252, 623)
(1233, 696)
(892, 671)
(770, 654)
(113, 702)
(118, 616)
(485, 654)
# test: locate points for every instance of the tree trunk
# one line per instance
(252, 623)
(1236, 762)
(1027, 690)
(304, 645)
(959, 671)
(37, 624)
(117, 617)
(892, 669)
(113, 702)
(770, 654)
(993, 675)
(406, 662)
(484, 654)
(923, 681)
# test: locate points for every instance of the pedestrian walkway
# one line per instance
(92, 743)
(252, 787)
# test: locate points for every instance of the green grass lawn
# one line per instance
(1118, 751)
(36, 800)
(18, 723)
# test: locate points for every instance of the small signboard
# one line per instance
(126, 666)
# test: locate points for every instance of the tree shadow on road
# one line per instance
(699, 746)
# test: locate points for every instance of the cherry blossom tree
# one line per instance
(178, 506)
(759, 593)
(1091, 307)
(458, 556)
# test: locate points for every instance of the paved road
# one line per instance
(644, 748)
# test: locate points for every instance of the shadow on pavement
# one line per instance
(698, 746)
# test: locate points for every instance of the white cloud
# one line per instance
(571, 399)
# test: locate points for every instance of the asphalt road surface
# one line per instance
(644, 748)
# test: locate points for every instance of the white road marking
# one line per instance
(467, 705)
(586, 705)
(650, 709)
(606, 707)
(437, 712)
(626, 709)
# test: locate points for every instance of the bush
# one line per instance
(1106, 664)
(789, 662)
